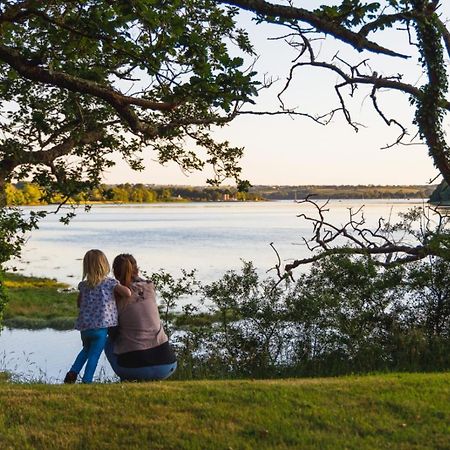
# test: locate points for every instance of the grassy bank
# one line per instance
(38, 303)
(35, 303)
(407, 411)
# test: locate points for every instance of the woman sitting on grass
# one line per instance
(141, 349)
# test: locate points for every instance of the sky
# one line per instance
(280, 150)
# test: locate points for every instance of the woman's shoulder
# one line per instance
(142, 281)
(143, 289)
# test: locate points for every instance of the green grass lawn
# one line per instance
(401, 411)
(38, 303)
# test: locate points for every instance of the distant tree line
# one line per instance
(343, 192)
(24, 193)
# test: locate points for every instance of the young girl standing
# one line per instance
(97, 312)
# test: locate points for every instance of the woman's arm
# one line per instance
(79, 299)
(122, 291)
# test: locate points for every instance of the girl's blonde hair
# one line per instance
(95, 267)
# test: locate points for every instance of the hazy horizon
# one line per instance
(223, 185)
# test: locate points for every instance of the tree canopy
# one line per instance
(82, 79)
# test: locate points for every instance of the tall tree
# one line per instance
(80, 80)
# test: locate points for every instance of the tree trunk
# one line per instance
(3, 183)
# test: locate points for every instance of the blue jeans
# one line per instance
(93, 344)
(147, 373)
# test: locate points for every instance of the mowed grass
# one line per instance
(38, 303)
(401, 411)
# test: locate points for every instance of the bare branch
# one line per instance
(343, 107)
(277, 266)
(323, 119)
(383, 240)
(388, 122)
(378, 81)
(414, 255)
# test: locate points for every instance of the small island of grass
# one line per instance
(35, 303)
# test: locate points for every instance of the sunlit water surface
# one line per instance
(208, 237)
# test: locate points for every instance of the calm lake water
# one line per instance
(208, 237)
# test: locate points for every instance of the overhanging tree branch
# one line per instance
(340, 20)
(358, 41)
(47, 157)
(386, 20)
(375, 80)
(121, 103)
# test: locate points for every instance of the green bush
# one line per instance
(344, 316)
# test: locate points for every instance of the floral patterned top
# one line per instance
(98, 306)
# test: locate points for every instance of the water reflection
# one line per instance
(209, 237)
(43, 355)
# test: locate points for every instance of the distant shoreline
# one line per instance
(26, 194)
(341, 192)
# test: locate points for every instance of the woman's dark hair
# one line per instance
(125, 268)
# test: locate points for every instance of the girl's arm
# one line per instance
(79, 299)
(122, 291)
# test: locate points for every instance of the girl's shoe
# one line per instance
(70, 377)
